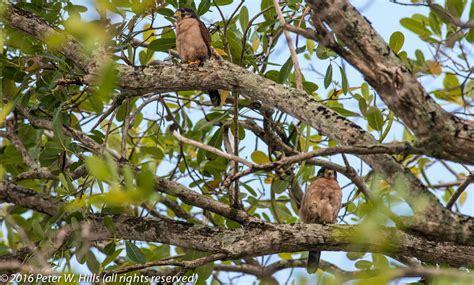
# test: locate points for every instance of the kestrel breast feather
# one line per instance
(189, 41)
(321, 204)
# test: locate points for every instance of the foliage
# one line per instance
(134, 131)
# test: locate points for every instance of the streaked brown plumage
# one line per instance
(320, 205)
(193, 42)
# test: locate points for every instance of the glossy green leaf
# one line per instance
(98, 168)
(285, 71)
(223, 2)
(310, 46)
(344, 82)
(375, 118)
(244, 18)
(396, 41)
(259, 157)
(415, 26)
(134, 253)
(203, 7)
(163, 44)
(279, 185)
(328, 76)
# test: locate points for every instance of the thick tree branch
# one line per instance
(433, 220)
(266, 238)
(446, 135)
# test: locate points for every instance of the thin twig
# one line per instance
(213, 150)
(294, 56)
(187, 264)
(469, 179)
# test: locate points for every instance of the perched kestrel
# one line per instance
(193, 42)
(320, 205)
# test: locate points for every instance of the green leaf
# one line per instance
(355, 255)
(462, 198)
(271, 13)
(111, 257)
(363, 264)
(279, 185)
(365, 90)
(66, 182)
(37, 229)
(163, 44)
(272, 75)
(134, 253)
(244, 18)
(92, 263)
(415, 26)
(106, 82)
(380, 261)
(223, 2)
(215, 141)
(109, 224)
(285, 71)
(149, 34)
(241, 133)
(259, 157)
(58, 128)
(396, 41)
(324, 53)
(363, 106)
(166, 12)
(203, 7)
(204, 272)
(98, 168)
(450, 81)
(388, 127)
(435, 23)
(343, 111)
(455, 7)
(145, 181)
(328, 76)
(310, 87)
(109, 249)
(375, 118)
(344, 83)
(235, 44)
(310, 46)
(471, 12)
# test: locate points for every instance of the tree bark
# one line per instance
(446, 135)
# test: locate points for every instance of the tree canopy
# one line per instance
(114, 162)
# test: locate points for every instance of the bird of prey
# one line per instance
(193, 42)
(320, 205)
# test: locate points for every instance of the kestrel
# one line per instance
(320, 205)
(193, 42)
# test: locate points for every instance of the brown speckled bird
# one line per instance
(193, 42)
(320, 205)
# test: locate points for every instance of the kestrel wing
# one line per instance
(206, 36)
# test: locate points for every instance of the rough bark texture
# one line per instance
(433, 221)
(224, 75)
(265, 238)
(445, 134)
(435, 234)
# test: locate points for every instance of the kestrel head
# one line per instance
(183, 13)
(327, 173)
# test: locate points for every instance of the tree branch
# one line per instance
(266, 238)
(469, 179)
(434, 221)
(446, 135)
